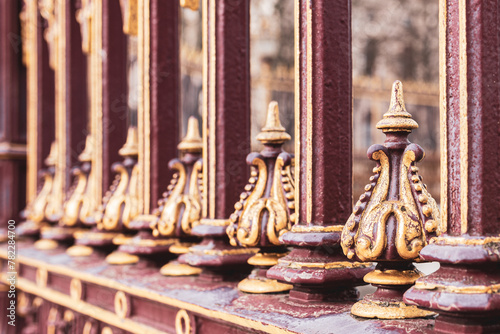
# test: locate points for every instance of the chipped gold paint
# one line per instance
(393, 277)
(238, 251)
(385, 310)
(320, 229)
(215, 222)
(471, 289)
(265, 259)
(323, 265)
(410, 230)
(457, 241)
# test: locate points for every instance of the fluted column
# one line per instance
(465, 289)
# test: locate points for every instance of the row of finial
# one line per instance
(391, 222)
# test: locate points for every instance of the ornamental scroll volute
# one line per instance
(121, 203)
(76, 208)
(395, 217)
(51, 34)
(180, 207)
(36, 211)
(84, 18)
(266, 208)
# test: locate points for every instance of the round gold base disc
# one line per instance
(79, 250)
(383, 310)
(175, 268)
(263, 285)
(46, 244)
(121, 258)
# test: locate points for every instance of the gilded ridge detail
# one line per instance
(263, 211)
(180, 208)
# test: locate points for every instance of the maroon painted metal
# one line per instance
(212, 307)
(465, 294)
(325, 61)
(12, 115)
(76, 88)
(114, 87)
(231, 133)
(164, 93)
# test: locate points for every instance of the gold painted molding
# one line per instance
(110, 317)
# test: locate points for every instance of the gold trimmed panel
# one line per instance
(85, 308)
(110, 317)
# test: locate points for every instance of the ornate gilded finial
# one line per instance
(273, 132)
(179, 209)
(131, 147)
(25, 34)
(130, 18)
(51, 34)
(51, 159)
(191, 4)
(86, 154)
(84, 18)
(251, 226)
(403, 206)
(397, 119)
(192, 142)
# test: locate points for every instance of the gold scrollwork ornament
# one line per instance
(180, 208)
(265, 208)
(123, 202)
(395, 200)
